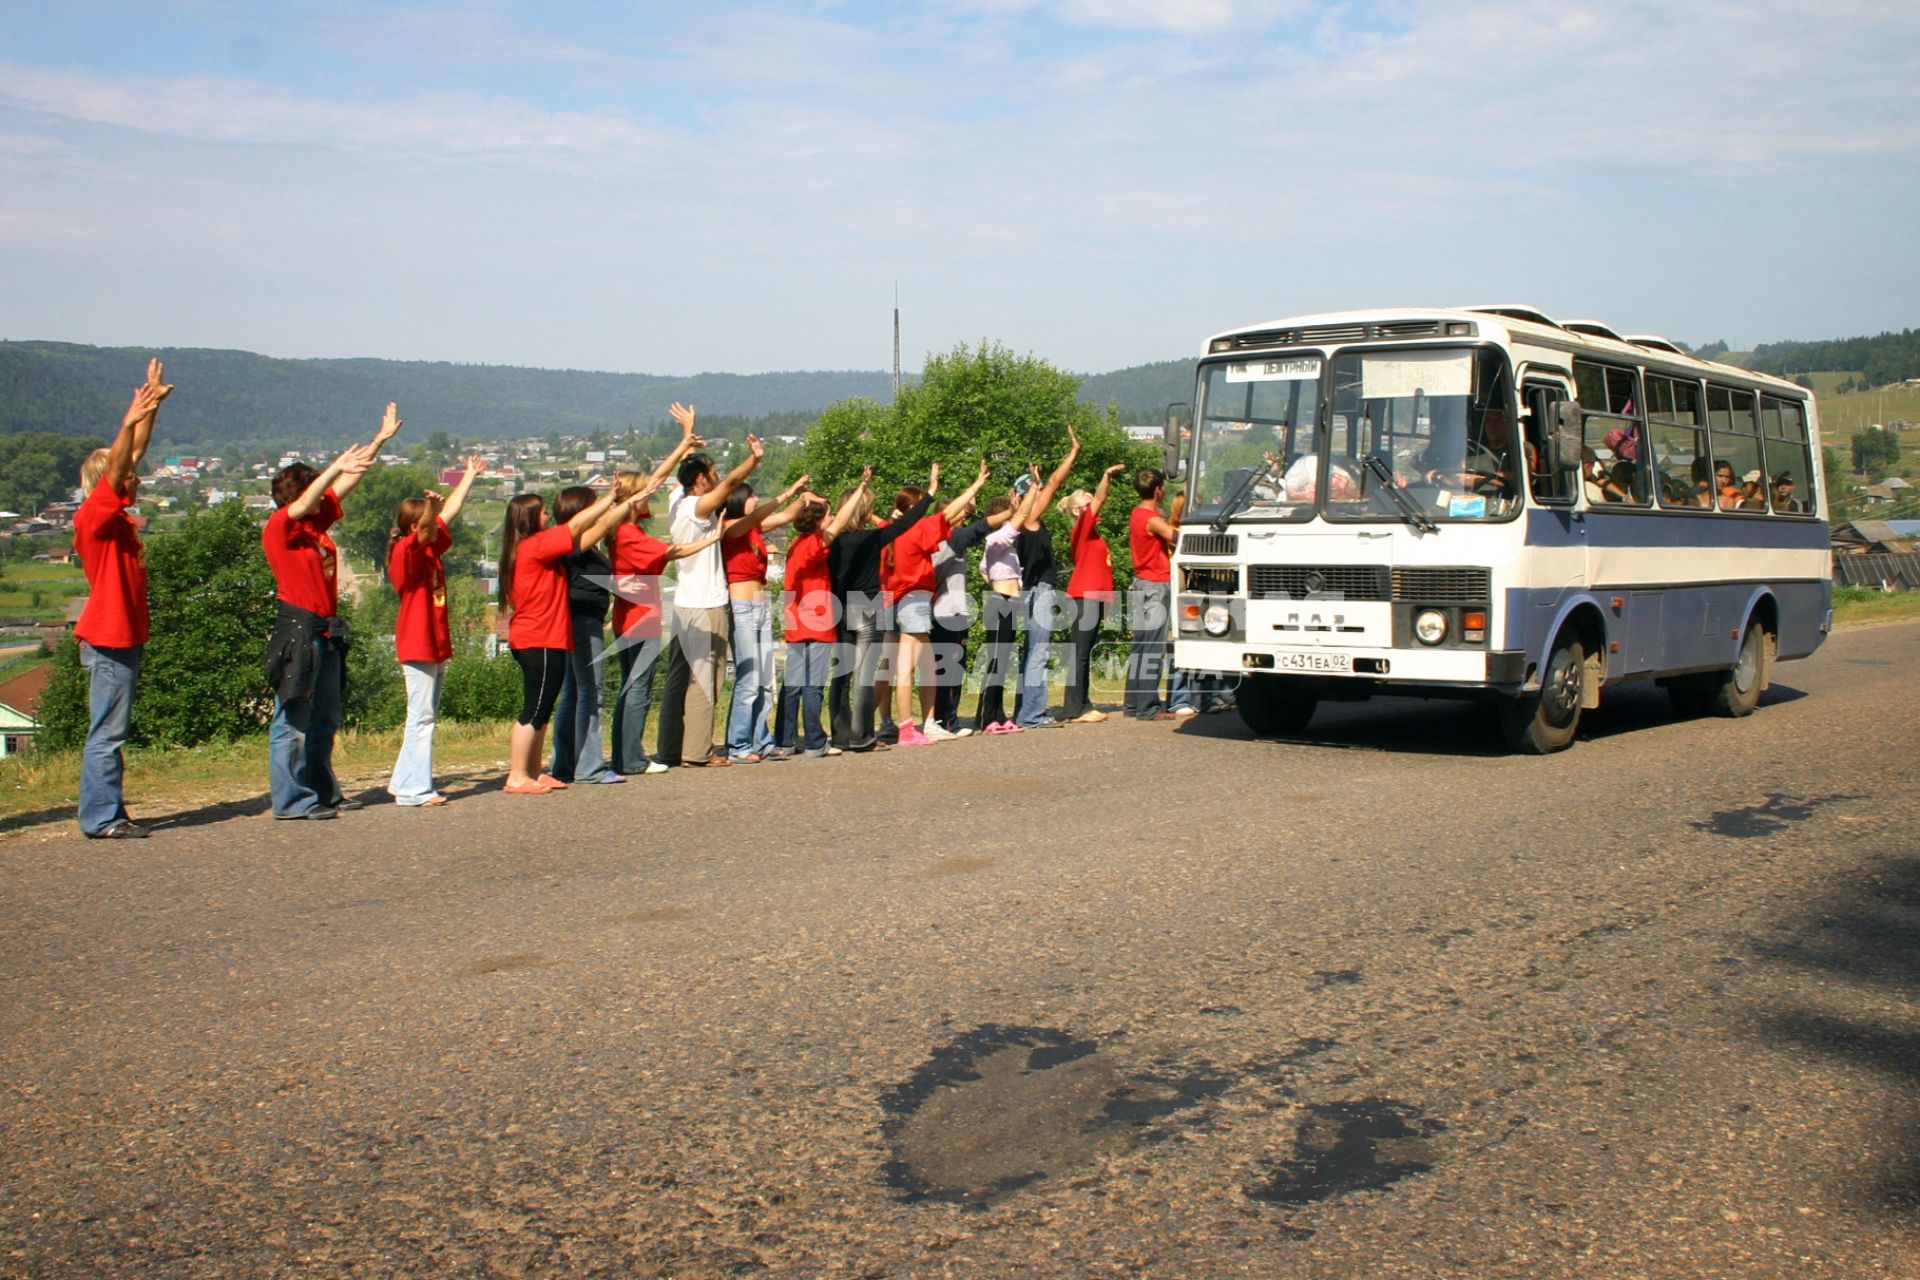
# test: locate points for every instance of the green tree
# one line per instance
(1873, 450)
(366, 519)
(38, 467)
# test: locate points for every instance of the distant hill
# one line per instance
(1144, 391)
(236, 397)
(1876, 361)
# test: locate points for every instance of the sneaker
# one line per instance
(752, 757)
(1090, 716)
(654, 766)
(910, 736)
(607, 778)
(1183, 711)
(125, 829)
(964, 731)
(937, 731)
(349, 803)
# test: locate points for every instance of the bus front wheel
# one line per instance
(1543, 722)
(1276, 706)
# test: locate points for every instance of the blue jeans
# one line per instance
(300, 741)
(747, 728)
(808, 662)
(638, 658)
(1039, 606)
(577, 755)
(412, 779)
(1149, 606)
(112, 675)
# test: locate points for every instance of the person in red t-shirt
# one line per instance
(422, 640)
(810, 621)
(909, 590)
(1091, 590)
(1151, 536)
(112, 630)
(533, 588)
(306, 654)
(743, 555)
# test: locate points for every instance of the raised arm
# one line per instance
(427, 527)
(772, 515)
(715, 498)
(1106, 483)
(341, 475)
(684, 415)
(681, 550)
(605, 515)
(903, 522)
(844, 516)
(1054, 481)
(389, 427)
(458, 498)
(955, 509)
(136, 428)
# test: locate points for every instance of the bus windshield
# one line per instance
(1439, 420)
(1255, 439)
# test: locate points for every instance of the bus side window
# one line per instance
(1549, 486)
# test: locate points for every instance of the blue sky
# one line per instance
(681, 188)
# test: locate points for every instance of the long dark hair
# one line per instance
(523, 520)
(571, 501)
(406, 518)
(735, 507)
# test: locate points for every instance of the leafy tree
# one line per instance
(367, 518)
(1873, 450)
(38, 467)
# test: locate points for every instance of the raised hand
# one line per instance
(355, 460)
(933, 478)
(434, 499)
(1073, 437)
(985, 471)
(866, 477)
(684, 415)
(756, 447)
(793, 489)
(389, 425)
(476, 464)
(146, 403)
(1114, 470)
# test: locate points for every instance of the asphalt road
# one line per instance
(1113, 1000)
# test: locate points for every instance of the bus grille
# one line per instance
(1207, 579)
(1443, 586)
(1317, 582)
(1210, 544)
(1314, 335)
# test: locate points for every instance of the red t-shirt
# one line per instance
(912, 567)
(420, 633)
(539, 596)
(1092, 561)
(1150, 562)
(306, 568)
(115, 616)
(745, 557)
(809, 600)
(638, 562)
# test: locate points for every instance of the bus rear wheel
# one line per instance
(1543, 722)
(1736, 691)
(1276, 706)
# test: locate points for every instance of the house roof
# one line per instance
(22, 692)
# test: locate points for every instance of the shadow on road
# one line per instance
(1862, 939)
(1458, 727)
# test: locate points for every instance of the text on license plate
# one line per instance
(1313, 662)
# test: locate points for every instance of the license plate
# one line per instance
(1313, 662)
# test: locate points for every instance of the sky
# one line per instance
(683, 188)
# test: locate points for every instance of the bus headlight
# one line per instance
(1218, 620)
(1430, 626)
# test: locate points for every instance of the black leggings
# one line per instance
(1088, 614)
(996, 669)
(541, 673)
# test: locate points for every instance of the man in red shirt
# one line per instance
(113, 627)
(306, 654)
(1151, 536)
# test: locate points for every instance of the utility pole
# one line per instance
(896, 341)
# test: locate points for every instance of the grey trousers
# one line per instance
(696, 663)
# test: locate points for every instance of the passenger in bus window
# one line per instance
(1753, 491)
(1485, 466)
(1783, 499)
(1599, 483)
(1723, 484)
(1702, 485)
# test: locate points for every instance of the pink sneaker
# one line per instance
(910, 736)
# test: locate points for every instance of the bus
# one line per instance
(1486, 502)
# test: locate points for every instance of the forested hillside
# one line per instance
(236, 397)
(1144, 391)
(1874, 362)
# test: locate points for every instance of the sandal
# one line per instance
(552, 783)
(534, 788)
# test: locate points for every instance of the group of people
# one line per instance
(875, 617)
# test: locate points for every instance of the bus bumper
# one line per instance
(1471, 667)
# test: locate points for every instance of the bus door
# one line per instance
(1555, 563)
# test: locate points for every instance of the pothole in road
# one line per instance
(1361, 1145)
(1003, 1107)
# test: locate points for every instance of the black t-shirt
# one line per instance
(1035, 549)
(853, 558)
(588, 573)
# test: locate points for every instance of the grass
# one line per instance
(54, 584)
(1861, 607)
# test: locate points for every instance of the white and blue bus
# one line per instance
(1487, 502)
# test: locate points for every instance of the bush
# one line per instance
(478, 687)
(376, 692)
(63, 703)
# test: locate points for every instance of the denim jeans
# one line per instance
(806, 681)
(856, 660)
(748, 731)
(577, 753)
(1038, 605)
(112, 675)
(412, 780)
(1150, 609)
(300, 741)
(638, 658)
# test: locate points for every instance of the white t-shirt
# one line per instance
(702, 581)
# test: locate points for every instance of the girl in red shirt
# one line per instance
(1091, 590)
(910, 593)
(422, 640)
(744, 555)
(810, 622)
(533, 588)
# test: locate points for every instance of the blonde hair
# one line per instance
(628, 483)
(1074, 501)
(93, 467)
(861, 511)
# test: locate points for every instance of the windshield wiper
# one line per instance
(1238, 496)
(1418, 520)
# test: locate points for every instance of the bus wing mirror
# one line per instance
(1565, 438)
(1172, 438)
